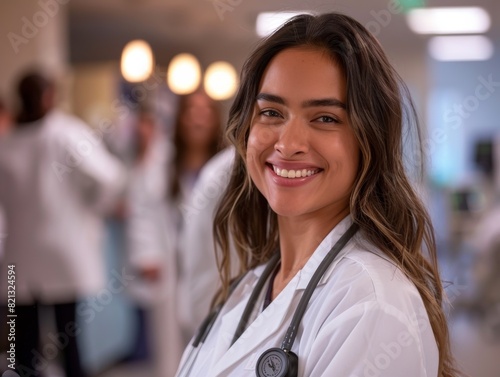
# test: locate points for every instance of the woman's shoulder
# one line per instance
(365, 275)
(369, 310)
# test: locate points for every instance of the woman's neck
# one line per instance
(299, 238)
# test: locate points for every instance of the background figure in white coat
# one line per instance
(201, 280)
(485, 242)
(56, 183)
(197, 138)
(317, 125)
(150, 238)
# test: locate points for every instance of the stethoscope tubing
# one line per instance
(271, 265)
(291, 333)
(203, 332)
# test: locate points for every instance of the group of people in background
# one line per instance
(162, 180)
(56, 189)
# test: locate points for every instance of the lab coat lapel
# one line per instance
(269, 322)
(229, 322)
(264, 326)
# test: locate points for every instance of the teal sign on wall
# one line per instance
(410, 4)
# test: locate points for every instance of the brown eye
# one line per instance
(327, 119)
(270, 113)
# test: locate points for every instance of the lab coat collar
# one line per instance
(270, 320)
(319, 254)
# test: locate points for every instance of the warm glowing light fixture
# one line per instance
(268, 22)
(137, 61)
(220, 80)
(184, 74)
(461, 48)
(449, 20)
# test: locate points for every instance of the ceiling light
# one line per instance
(461, 48)
(450, 20)
(184, 74)
(221, 80)
(268, 22)
(137, 61)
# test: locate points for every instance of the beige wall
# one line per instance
(34, 34)
(94, 87)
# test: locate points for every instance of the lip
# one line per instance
(291, 182)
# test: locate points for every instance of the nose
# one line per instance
(292, 139)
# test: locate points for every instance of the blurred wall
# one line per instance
(94, 88)
(33, 35)
(464, 107)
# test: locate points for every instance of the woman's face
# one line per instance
(198, 121)
(302, 154)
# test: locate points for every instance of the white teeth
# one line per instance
(294, 173)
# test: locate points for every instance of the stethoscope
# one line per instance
(275, 362)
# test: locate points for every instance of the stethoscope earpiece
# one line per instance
(277, 363)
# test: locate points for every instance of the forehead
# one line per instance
(304, 73)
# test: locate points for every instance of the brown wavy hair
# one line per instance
(383, 202)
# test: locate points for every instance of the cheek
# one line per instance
(259, 141)
(252, 155)
(261, 138)
(345, 157)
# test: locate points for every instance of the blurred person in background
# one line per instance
(161, 183)
(56, 183)
(201, 278)
(197, 138)
(485, 242)
(150, 248)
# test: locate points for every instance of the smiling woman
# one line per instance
(306, 129)
(321, 213)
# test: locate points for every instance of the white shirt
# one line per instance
(56, 181)
(150, 235)
(199, 279)
(365, 318)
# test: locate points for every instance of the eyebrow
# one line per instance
(323, 102)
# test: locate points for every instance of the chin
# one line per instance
(285, 210)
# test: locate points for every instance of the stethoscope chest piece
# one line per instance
(277, 363)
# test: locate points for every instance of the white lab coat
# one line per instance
(150, 235)
(365, 318)
(56, 180)
(199, 278)
(152, 240)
